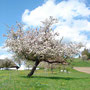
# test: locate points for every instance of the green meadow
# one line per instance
(80, 63)
(44, 80)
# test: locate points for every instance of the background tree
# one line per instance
(40, 44)
(84, 57)
(7, 63)
(86, 53)
(88, 56)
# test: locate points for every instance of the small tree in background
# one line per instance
(84, 57)
(7, 63)
(85, 54)
(40, 44)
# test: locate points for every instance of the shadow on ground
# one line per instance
(50, 77)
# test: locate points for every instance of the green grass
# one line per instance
(80, 63)
(44, 80)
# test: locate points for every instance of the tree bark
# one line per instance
(34, 68)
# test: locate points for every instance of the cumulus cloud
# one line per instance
(88, 45)
(2, 49)
(4, 53)
(6, 56)
(73, 16)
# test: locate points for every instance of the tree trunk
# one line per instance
(34, 68)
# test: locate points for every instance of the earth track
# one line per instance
(83, 69)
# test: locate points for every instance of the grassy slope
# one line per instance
(44, 80)
(80, 63)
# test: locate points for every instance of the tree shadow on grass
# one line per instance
(54, 77)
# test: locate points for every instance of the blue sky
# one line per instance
(73, 15)
(12, 10)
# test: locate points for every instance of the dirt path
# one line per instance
(83, 69)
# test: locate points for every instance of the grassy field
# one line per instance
(44, 80)
(80, 63)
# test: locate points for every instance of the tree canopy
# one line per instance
(39, 44)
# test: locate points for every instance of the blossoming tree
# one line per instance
(39, 44)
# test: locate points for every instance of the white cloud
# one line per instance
(72, 15)
(2, 49)
(4, 53)
(88, 45)
(6, 56)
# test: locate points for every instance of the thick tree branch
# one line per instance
(55, 61)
